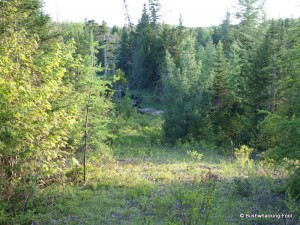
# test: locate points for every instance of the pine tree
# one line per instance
(222, 99)
(183, 94)
(102, 54)
(141, 72)
(106, 49)
(174, 125)
(220, 75)
(172, 38)
(248, 38)
(264, 93)
(235, 65)
(124, 57)
(280, 129)
(27, 14)
(206, 56)
(148, 52)
(154, 8)
(267, 69)
(226, 34)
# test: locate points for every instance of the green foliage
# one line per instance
(194, 207)
(242, 187)
(75, 174)
(42, 94)
(148, 49)
(124, 53)
(125, 109)
(137, 131)
(26, 14)
(283, 143)
(226, 34)
(182, 94)
(242, 155)
(194, 155)
(294, 182)
(34, 118)
(291, 201)
(222, 99)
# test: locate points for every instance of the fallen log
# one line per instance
(150, 111)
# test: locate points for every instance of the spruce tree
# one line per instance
(280, 129)
(148, 51)
(141, 72)
(183, 95)
(226, 34)
(124, 58)
(248, 39)
(221, 98)
(267, 69)
(220, 83)
(154, 8)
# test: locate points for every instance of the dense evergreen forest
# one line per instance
(74, 103)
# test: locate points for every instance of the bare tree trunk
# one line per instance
(105, 59)
(273, 91)
(87, 112)
(127, 16)
(86, 138)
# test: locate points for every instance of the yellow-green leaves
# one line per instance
(36, 115)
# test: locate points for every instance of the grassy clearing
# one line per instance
(172, 187)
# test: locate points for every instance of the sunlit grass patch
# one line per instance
(170, 187)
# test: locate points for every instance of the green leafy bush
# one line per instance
(242, 155)
(194, 155)
(283, 145)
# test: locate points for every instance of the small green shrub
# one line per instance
(194, 204)
(292, 204)
(75, 174)
(194, 155)
(125, 109)
(243, 154)
(138, 191)
(242, 187)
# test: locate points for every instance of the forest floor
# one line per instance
(146, 182)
